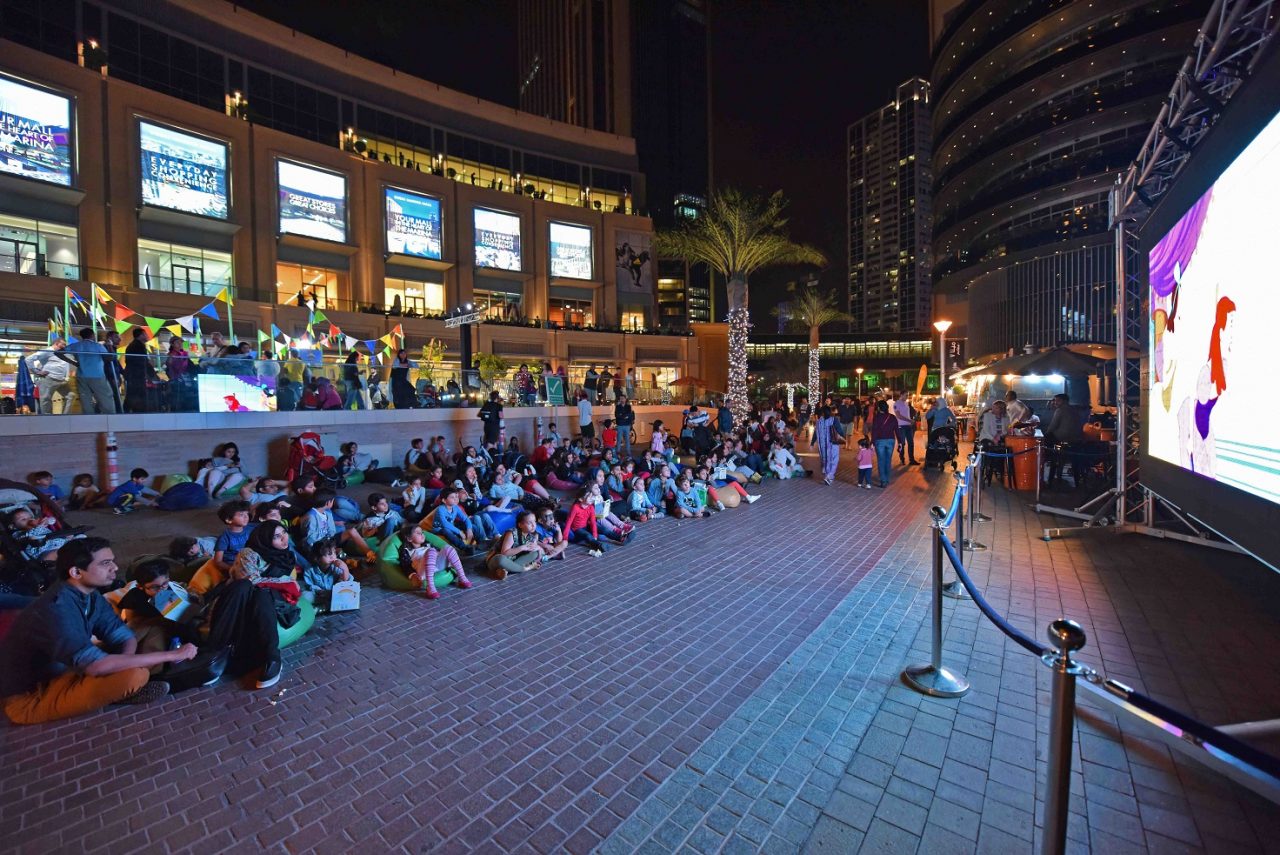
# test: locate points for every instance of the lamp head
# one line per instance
(942, 326)
(859, 371)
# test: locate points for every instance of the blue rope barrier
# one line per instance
(992, 615)
(955, 505)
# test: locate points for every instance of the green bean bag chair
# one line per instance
(299, 629)
(393, 578)
(353, 478)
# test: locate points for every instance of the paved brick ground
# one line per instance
(533, 714)
(721, 685)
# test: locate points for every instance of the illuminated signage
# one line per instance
(570, 252)
(35, 133)
(413, 224)
(497, 240)
(313, 201)
(182, 171)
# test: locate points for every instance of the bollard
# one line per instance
(113, 465)
(969, 543)
(933, 679)
(978, 515)
(1068, 637)
(954, 589)
(1039, 468)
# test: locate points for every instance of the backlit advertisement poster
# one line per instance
(570, 251)
(183, 172)
(35, 133)
(1212, 312)
(634, 262)
(497, 240)
(313, 201)
(413, 224)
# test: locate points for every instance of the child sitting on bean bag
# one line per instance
(418, 560)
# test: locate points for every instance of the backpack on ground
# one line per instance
(182, 497)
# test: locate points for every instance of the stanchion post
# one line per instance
(1039, 467)
(933, 679)
(968, 542)
(954, 589)
(1068, 637)
(978, 515)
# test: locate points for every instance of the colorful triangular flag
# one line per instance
(175, 329)
(275, 331)
(317, 317)
(351, 341)
(209, 311)
(262, 336)
(370, 343)
(224, 297)
(76, 299)
(333, 330)
(102, 295)
(121, 326)
(186, 322)
(153, 324)
(121, 311)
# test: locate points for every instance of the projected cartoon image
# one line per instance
(1214, 302)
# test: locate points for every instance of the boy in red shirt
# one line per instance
(610, 435)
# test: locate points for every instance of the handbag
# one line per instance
(206, 667)
(835, 436)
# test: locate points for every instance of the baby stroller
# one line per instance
(941, 448)
(307, 457)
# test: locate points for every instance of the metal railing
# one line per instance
(1216, 747)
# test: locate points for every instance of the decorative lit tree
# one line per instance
(735, 236)
(811, 309)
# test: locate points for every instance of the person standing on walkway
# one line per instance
(491, 415)
(827, 438)
(351, 380)
(585, 426)
(403, 396)
(884, 432)
(53, 376)
(625, 418)
(906, 430)
(90, 359)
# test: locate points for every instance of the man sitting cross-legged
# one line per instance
(50, 667)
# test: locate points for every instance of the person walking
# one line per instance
(52, 376)
(585, 426)
(354, 399)
(906, 430)
(827, 439)
(884, 433)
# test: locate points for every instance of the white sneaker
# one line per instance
(719, 506)
(595, 553)
(751, 500)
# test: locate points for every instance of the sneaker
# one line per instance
(755, 478)
(120, 511)
(751, 500)
(152, 691)
(271, 672)
(595, 553)
(826, 481)
(399, 483)
(719, 506)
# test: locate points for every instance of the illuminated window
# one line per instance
(416, 298)
(37, 248)
(571, 313)
(182, 269)
(633, 319)
(497, 305)
(312, 287)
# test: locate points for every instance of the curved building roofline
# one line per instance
(239, 32)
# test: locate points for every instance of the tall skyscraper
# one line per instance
(575, 62)
(1036, 108)
(890, 214)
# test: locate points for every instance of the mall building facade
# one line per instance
(1037, 106)
(167, 150)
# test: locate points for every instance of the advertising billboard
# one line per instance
(313, 201)
(183, 171)
(634, 262)
(570, 251)
(413, 223)
(497, 240)
(35, 132)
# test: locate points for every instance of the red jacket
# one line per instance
(581, 517)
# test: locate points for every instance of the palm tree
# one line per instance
(735, 236)
(812, 309)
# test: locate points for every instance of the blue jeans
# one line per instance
(346, 510)
(884, 459)
(906, 442)
(624, 439)
(484, 527)
(864, 476)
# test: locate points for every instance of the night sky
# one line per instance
(788, 76)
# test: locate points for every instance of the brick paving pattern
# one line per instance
(724, 685)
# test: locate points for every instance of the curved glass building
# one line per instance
(1037, 105)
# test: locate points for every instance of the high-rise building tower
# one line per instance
(1036, 107)
(890, 214)
(575, 62)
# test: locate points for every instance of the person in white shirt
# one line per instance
(1017, 411)
(52, 375)
(994, 424)
(585, 426)
(906, 430)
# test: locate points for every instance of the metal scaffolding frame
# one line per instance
(1224, 56)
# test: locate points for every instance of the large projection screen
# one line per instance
(35, 132)
(313, 201)
(1211, 419)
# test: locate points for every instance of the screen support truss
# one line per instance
(1224, 55)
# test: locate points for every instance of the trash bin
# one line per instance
(1024, 465)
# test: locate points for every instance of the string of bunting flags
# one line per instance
(277, 343)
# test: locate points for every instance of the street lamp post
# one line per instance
(859, 371)
(942, 327)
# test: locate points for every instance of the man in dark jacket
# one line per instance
(491, 415)
(624, 418)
